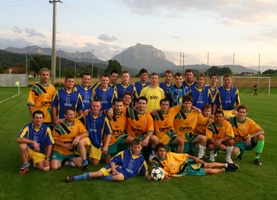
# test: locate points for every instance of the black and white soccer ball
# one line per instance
(157, 174)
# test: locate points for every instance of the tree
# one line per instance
(1, 70)
(39, 61)
(219, 71)
(113, 65)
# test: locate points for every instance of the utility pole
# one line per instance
(208, 63)
(92, 63)
(26, 64)
(233, 63)
(60, 67)
(53, 62)
(183, 63)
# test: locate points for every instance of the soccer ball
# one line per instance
(157, 174)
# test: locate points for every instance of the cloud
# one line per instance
(107, 38)
(17, 30)
(31, 33)
(20, 43)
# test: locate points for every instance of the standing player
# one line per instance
(139, 85)
(189, 82)
(85, 90)
(113, 78)
(125, 86)
(248, 135)
(41, 96)
(167, 84)
(125, 164)
(214, 91)
(67, 136)
(153, 93)
(66, 98)
(228, 96)
(36, 143)
(220, 136)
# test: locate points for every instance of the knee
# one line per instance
(261, 137)
(23, 147)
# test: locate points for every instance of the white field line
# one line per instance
(10, 97)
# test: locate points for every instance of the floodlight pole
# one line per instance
(53, 62)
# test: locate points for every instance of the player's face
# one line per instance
(168, 77)
(242, 114)
(154, 79)
(142, 105)
(127, 99)
(104, 82)
(161, 153)
(218, 118)
(86, 80)
(113, 77)
(227, 81)
(189, 77)
(125, 78)
(200, 81)
(118, 107)
(136, 149)
(38, 119)
(207, 112)
(165, 106)
(95, 107)
(187, 105)
(179, 81)
(44, 77)
(143, 77)
(214, 80)
(69, 116)
(69, 83)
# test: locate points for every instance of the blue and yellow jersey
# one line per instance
(138, 124)
(42, 136)
(138, 87)
(66, 133)
(154, 96)
(185, 123)
(163, 122)
(86, 94)
(200, 96)
(106, 96)
(63, 99)
(244, 129)
(192, 84)
(228, 98)
(213, 131)
(40, 97)
(97, 126)
(177, 94)
(121, 89)
(214, 94)
(128, 164)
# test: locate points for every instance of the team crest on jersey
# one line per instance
(244, 130)
(171, 165)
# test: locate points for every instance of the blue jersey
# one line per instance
(228, 98)
(200, 97)
(42, 136)
(105, 96)
(121, 89)
(138, 87)
(86, 95)
(189, 85)
(97, 126)
(166, 88)
(177, 94)
(63, 100)
(128, 164)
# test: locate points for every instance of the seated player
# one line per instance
(220, 136)
(177, 165)
(36, 142)
(126, 164)
(248, 135)
(206, 112)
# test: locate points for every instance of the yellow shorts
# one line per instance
(228, 113)
(108, 172)
(95, 153)
(36, 156)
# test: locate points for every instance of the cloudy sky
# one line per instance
(213, 32)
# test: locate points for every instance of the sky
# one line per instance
(214, 32)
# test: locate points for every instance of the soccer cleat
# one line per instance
(257, 161)
(23, 170)
(69, 179)
(85, 167)
(211, 158)
(232, 167)
(229, 160)
(240, 156)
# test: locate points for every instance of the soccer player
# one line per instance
(213, 90)
(189, 82)
(206, 112)
(220, 136)
(167, 84)
(127, 99)
(248, 135)
(66, 98)
(36, 143)
(228, 97)
(125, 86)
(200, 94)
(139, 85)
(126, 164)
(185, 122)
(153, 93)
(178, 165)
(178, 90)
(41, 96)
(98, 125)
(104, 93)
(85, 90)
(67, 135)
(164, 129)
(113, 77)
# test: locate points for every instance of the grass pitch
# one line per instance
(250, 182)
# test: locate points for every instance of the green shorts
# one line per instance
(117, 146)
(60, 157)
(243, 147)
(171, 146)
(195, 169)
(189, 145)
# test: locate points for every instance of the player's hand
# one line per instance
(248, 141)
(222, 147)
(148, 177)
(115, 172)
(144, 143)
(36, 146)
(105, 149)
(153, 112)
(69, 146)
(110, 112)
(85, 113)
(75, 141)
(46, 163)
(167, 177)
(234, 112)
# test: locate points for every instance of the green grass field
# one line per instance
(250, 182)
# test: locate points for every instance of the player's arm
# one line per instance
(106, 145)
(21, 140)
(54, 115)
(68, 145)
(198, 160)
(248, 139)
(49, 149)
(31, 110)
(77, 139)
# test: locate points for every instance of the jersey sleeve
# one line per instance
(55, 101)
(107, 127)
(150, 123)
(80, 104)
(144, 169)
(209, 132)
(49, 137)
(24, 133)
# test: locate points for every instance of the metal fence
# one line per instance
(12, 80)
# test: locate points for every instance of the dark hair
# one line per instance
(39, 112)
(67, 109)
(104, 75)
(125, 72)
(188, 71)
(142, 98)
(164, 100)
(242, 107)
(213, 75)
(168, 72)
(201, 75)
(154, 74)
(219, 112)
(227, 75)
(207, 106)
(143, 71)
(118, 100)
(127, 93)
(160, 145)
(187, 98)
(114, 71)
(86, 74)
(136, 141)
(178, 74)
(68, 77)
